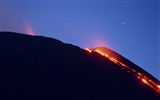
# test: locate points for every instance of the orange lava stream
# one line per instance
(139, 75)
(88, 50)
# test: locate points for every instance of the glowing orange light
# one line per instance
(106, 55)
(88, 50)
(139, 75)
(133, 70)
(143, 80)
(28, 29)
(102, 54)
(123, 64)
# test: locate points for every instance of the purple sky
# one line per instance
(129, 27)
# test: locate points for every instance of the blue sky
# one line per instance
(129, 27)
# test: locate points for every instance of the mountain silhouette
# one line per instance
(41, 68)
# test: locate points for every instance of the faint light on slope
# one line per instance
(28, 29)
(88, 50)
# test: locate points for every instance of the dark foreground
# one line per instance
(39, 68)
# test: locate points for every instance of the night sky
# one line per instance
(129, 27)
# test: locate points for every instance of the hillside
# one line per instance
(36, 67)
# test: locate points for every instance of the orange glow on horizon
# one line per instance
(28, 29)
(97, 40)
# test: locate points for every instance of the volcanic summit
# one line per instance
(36, 68)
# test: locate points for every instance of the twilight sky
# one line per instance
(129, 27)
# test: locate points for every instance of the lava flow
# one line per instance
(155, 86)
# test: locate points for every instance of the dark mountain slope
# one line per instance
(35, 67)
(126, 62)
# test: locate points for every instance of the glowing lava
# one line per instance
(158, 86)
(88, 50)
(143, 80)
(139, 75)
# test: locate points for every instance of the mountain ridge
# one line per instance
(126, 61)
(35, 67)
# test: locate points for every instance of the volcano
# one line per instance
(42, 68)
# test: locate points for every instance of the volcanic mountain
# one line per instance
(41, 68)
